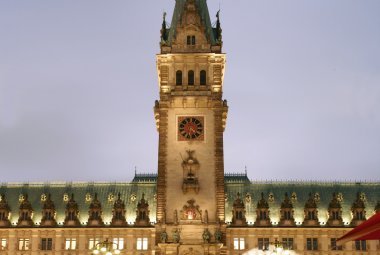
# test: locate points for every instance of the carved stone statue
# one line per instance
(175, 217)
(206, 217)
(206, 236)
(176, 236)
(218, 236)
(163, 236)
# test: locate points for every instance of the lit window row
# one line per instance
(46, 244)
(288, 244)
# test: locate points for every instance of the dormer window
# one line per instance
(191, 40)
(190, 77)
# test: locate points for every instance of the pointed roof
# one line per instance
(202, 9)
(4, 203)
(311, 203)
(262, 203)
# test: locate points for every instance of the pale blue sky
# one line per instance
(78, 83)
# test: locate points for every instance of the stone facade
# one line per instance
(190, 207)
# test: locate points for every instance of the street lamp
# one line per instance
(105, 247)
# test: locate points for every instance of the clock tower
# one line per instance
(190, 118)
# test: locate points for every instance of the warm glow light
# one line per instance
(103, 249)
(117, 252)
(95, 252)
(109, 253)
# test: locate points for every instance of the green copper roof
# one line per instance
(201, 6)
(274, 193)
(131, 193)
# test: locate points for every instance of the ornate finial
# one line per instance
(218, 28)
(163, 29)
(118, 196)
(262, 195)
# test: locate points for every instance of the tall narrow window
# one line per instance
(46, 244)
(118, 243)
(178, 77)
(70, 243)
(239, 243)
(23, 244)
(361, 245)
(263, 244)
(335, 247)
(203, 77)
(188, 40)
(311, 244)
(287, 243)
(193, 40)
(3, 244)
(142, 243)
(92, 242)
(190, 77)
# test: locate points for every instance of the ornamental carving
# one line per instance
(191, 211)
(190, 167)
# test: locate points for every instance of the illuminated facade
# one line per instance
(190, 206)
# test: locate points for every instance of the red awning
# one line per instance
(368, 230)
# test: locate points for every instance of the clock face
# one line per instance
(190, 128)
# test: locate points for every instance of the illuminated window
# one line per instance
(70, 243)
(178, 77)
(311, 244)
(23, 244)
(46, 244)
(360, 245)
(334, 247)
(288, 243)
(142, 243)
(263, 244)
(203, 77)
(92, 243)
(118, 243)
(190, 77)
(3, 244)
(239, 243)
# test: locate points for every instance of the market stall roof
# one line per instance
(368, 230)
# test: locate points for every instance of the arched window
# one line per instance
(190, 77)
(203, 77)
(178, 77)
